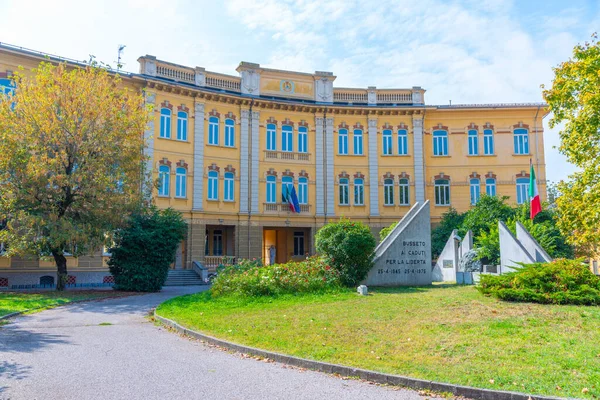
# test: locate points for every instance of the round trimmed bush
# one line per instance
(348, 247)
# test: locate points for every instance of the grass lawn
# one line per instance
(11, 302)
(444, 333)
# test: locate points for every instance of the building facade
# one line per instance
(225, 148)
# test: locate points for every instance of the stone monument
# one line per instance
(448, 263)
(520, 249)
(403, 258)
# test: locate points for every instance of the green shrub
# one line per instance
(386, 231)
(249, 278)
(348, 247)
(559, 282)
(143, 251)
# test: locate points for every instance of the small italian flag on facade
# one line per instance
(534, 195)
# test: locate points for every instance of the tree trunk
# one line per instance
(61, 267)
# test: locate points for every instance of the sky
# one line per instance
(464, 51)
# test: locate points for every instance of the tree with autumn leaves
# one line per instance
(574, 100)
(71, 161)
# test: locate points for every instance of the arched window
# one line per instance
(213, 185)
(165, 123)
(521, 137)
(163, 180)
(388, 192)
(182, 125)
(271, 189)
(287, 143)
(229, 133)
(343, 188)
(180, 182)
(474, 188)
(490, 186)
(7, 87)
(442, 192)
(358, 142)
(359, 192)
(522, 190)
(402, 142)
(302, 139)
(271, 137)
(286, 188)
(488, 142)
(228, 191)
(343, 141)
(440, 143)
(213, 131)
(473, 143)
(387, 142)
(303, 190)
(404, 198)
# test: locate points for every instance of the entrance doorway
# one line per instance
(281, 245)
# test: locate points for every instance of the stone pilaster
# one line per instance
(149, 147)
(324, 86)
(195, 240)
(250, 74)
(254, 161)
(418, 158)
(319, 178)
(244, 165)
(373, 169)
(330, 194)
(198, 157)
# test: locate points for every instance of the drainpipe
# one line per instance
(537, 158)
(326, 193)
(249, 173)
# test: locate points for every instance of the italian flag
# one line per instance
(534, 195)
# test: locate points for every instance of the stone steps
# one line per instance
(183, 277)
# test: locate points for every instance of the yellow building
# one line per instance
(224, 148)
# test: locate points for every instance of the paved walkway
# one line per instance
(110, 350)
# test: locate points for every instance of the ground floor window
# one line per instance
(299, 244)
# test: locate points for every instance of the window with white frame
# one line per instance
(474, 186)
(213, 131)
(358, 142)
(165, 123)
(387, 142)
(271, 137)
(402, 142)
(271, 189)
(442, 192)
(488, 142)
(522, 190)
(404, 194)
(388, 192)
(473, 143)
(490, 186)
(302, 139)
(182, 125)
(359, 192)
(303, 190)
(286, 187)
(213, 185)
(163, 180)
(299, 244)
(344, 195)
(343, 141)
(287, 142)
(440, 143)
(521, 138)
(229, 133)
(228, 191)
(180, 182)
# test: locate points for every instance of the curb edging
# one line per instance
(373, 376)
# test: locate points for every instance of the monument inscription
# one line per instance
(404, 257)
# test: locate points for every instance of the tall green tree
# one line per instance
(574, 100)
(71, 160)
